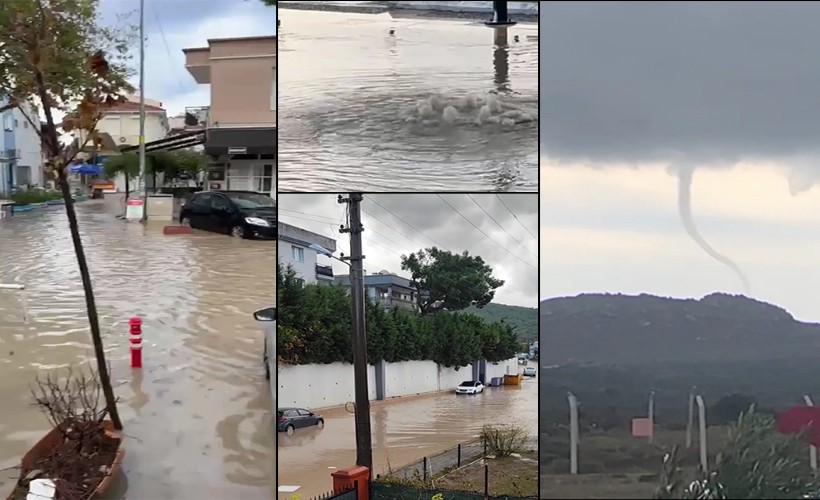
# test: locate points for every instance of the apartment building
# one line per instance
(119, 127)
(293, 250)
(388, 289)
(21, 154)
(240, 123)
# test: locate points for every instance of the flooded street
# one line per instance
(373, 102)
(197, 416)
(411, 428)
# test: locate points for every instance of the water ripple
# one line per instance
(376, 99)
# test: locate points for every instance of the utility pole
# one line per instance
(364, 448)
(142, 187)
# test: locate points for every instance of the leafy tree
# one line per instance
(445, 280)
(56, 54)
(314, 327)
(175, 164)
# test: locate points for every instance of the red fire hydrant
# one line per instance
(135, 325)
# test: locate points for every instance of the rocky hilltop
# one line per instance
(645, 329)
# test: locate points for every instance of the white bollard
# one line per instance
(652, 416)
(691, 422)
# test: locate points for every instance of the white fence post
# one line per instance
(812, 448)
(704, 465)
(573, 433)
(651, 416)
(691, 422)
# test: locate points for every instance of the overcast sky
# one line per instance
(406, 223)
(635, 94)
(172, 25)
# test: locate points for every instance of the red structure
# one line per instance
(135, 330)
(346, 479)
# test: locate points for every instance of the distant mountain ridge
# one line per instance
(524, 319)
(643, 329)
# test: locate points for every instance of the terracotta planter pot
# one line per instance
(54, 437)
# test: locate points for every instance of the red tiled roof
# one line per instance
(132, 107)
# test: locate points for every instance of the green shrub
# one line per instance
(35, 196)
(504, 440)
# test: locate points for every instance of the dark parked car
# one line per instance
(243, 214)
(288, 419)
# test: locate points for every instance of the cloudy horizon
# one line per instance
(398, 224)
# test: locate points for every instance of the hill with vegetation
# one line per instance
(523, 319)
(645, 329)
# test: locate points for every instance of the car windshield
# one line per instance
(467, 383)
(252, 200)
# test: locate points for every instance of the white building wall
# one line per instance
(27, 141)
(305, 270)
(321, 386)
(124, 130)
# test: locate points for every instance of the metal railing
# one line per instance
(351, 494)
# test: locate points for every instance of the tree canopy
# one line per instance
(314, 327)
(445, 280)
(175, 164)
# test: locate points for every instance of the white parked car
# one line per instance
(529, 371)
(470, 387)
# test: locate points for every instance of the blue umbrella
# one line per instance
(86, 169)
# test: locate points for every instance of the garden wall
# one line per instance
(320, 386)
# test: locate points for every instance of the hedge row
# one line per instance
(314, 326)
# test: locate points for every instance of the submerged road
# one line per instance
(404, 430)
(197, 417)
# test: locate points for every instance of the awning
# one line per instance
(179, 141)
(85, 169)
(241, 141)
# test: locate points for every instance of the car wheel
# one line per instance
(320, 424)
(238, 232)
(289, 430)
(185, 222)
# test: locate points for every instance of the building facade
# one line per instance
(293, 250)
(388, 289)
(122, 123)
(21, 154)
(240, 122)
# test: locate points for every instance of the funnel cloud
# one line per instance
(685, 174)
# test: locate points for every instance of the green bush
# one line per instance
(35, 196)
(504, 440)
(314, 327)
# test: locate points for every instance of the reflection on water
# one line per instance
(404, 431)
(439, 103)
(197, 416)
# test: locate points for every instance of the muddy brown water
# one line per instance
(197, 416)
(404, 431)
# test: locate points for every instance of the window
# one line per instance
(220, 202)
(25, 124)
(298, 254)
(8, 122)
(16, 123)
(263, 178)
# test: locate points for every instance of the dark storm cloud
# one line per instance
(698, 82)
(388, 236)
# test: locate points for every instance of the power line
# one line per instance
(485, 234)
(510, 288)
(399, 218)
(502, 227)
(515, 216)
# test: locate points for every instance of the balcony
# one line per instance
(324, 272)
(197, 117)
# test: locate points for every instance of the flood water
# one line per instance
(197, 417)
(438, 104)
(404, 431)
